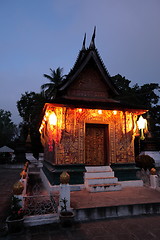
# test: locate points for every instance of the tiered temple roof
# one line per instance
(89, 85)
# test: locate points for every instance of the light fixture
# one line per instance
(142, 124)
(100, 111)
(80, 110)
(40, 129)
(52, 119)
(47, 114)
(114, 112)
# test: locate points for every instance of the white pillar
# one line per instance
(153, 181)
(24, 181)
(64, 195)
(21, 202)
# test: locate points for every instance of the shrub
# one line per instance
(145, 162)
(16, 211)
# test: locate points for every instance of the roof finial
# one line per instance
(84, 42)
(92, 43)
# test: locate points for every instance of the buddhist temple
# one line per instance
(85, 126)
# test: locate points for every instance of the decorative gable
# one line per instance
(89, 85)
(88, 80)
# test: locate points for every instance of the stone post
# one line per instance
(64, 199)
(153, 181)
(21, 202)
(18, 188)
(153, 178)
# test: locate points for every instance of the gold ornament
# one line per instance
(23, 174)
(64, 177)
(18, 188)
(153, 171)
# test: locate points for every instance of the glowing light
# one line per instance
(52, 119)
(100, 111)
(47, 114)
(142, 123)
(114, 112)
(80, 110)
(40, 129)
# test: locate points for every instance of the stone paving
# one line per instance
(139, 228)
(127, 196)
(136, 228)
(8, 177)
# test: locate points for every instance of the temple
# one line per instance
(85, 126)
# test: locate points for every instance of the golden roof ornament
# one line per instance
(92, 43)
(84, 42)
(64, 177)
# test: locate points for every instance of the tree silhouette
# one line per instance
(50, 89)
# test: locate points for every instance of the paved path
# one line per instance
(127, 196)
(7, 179)
(139, 228)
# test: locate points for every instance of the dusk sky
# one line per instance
(37, 35)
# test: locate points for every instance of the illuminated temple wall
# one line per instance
(68, 146)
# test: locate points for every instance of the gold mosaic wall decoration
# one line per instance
(70, 149)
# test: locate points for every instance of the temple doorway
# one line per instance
(96, 144)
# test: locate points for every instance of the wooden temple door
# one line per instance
(96, 144)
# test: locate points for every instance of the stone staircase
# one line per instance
(101, 179)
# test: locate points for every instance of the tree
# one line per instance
(26, 104)
(30, 108)
(121, 83)
(8, 130)
(144, 95)
(154, 119)
(50, 89)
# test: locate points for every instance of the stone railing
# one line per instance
(144, 176)
(40, 206)
(20, 187)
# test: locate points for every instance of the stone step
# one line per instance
(101, 179)
(98, 169)
(99, 174)
(104, 180)
(104, 187)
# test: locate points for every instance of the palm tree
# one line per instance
(50, 89)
